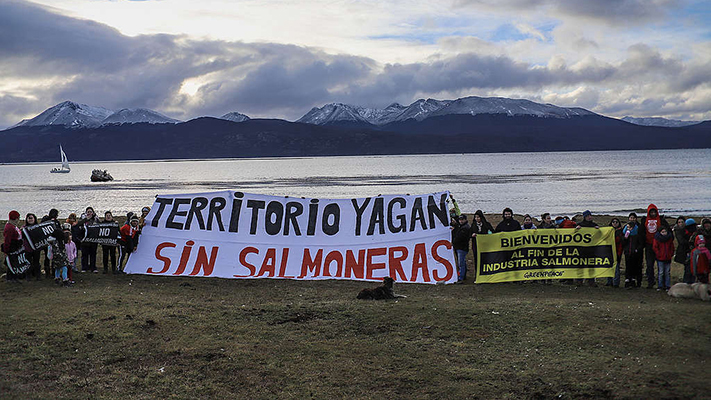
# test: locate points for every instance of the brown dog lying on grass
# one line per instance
(383, 292)
(694, 291)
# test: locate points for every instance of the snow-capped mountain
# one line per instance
(137, 115)
(422, 109)
(235, 117)
(499, 105)
(658, 121)
(335, 113)
(69, 113)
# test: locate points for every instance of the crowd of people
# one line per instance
(66, 253)
(642, 241)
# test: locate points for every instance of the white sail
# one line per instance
(65, 162)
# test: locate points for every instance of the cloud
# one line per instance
(47, 58)
(613, 12)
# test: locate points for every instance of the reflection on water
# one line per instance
(678, 181)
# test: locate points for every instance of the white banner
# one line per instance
(240, 235)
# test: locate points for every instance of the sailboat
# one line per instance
(65, 164)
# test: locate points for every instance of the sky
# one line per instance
(280, 58)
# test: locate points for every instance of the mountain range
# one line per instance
(466, 125)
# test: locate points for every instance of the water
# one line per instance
(611, 182)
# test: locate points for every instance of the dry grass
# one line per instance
(157, 337)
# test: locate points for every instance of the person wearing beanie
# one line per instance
(142, 218)
(700, 259)
(587, 221)
(509, 224)
(460, 243)
(12, 242)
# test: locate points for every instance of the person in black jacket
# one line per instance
(33, 256)
(461, 235)
(480, 226)
(508, 224)
(633, 247)
(48, 271)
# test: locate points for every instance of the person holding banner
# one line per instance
(617, 226)
(546, 221)
(12, 242)
(462, 233)
(52, 216)
(108, 252)
(33, 256)
(142, 219)
(128, 240)
(88, 250)
(480, 226)
(528, 223)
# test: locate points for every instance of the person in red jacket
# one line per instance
(13, 241)
(700, 258)
(128, 240)
(664, 251)
(651, 224)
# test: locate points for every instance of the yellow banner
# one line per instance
(546, 254)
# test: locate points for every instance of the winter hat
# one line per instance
(14, 215)
(700, 239)
(146, 209)
(705, 221)
(462, 216)
(689, 222)
(586, 213)
(134, 217)
(559, 220)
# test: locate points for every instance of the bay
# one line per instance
(610, 182)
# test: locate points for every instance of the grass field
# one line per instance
(132, 336)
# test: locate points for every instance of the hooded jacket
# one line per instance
(652, 225)
(700, 257)
(663, 246)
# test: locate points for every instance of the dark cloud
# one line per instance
(615, 12)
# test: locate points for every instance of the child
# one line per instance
(71, 249)
(700, 257)
(663, 247)
(58, 255)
